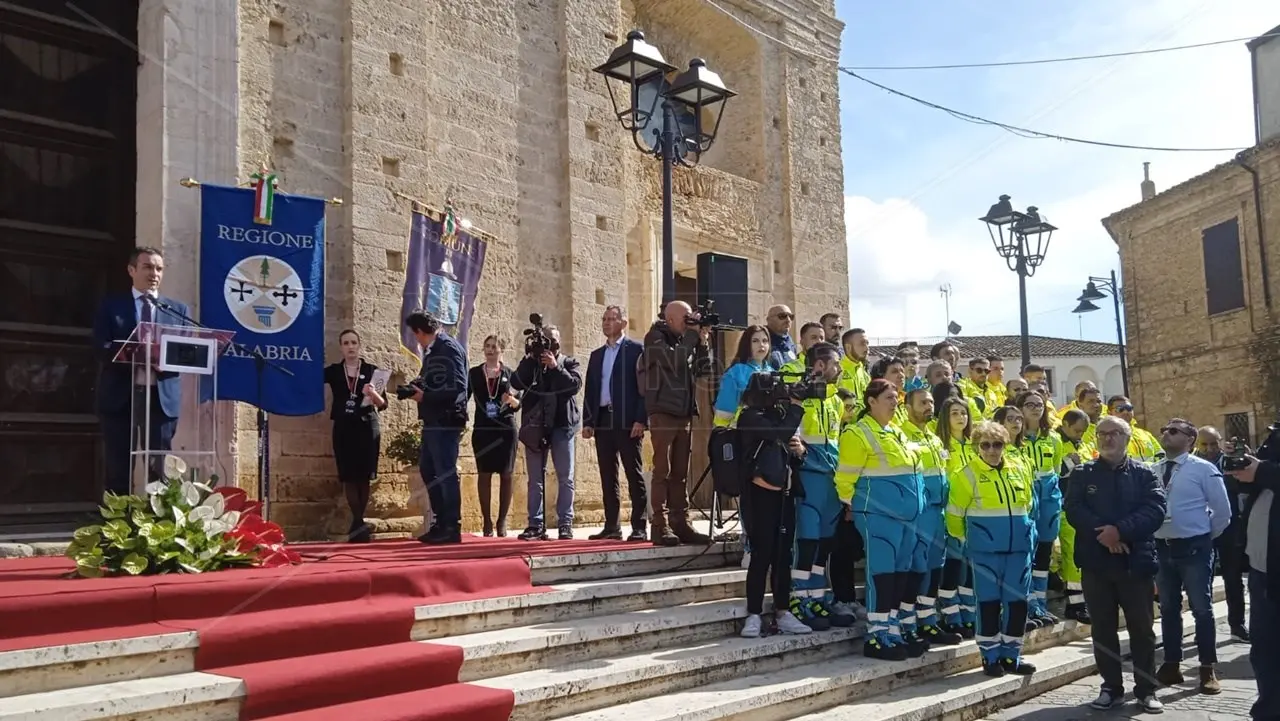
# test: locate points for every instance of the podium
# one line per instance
(157, 355)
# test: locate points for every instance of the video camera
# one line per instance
(537, 340)
(704, 315)
(765, 390)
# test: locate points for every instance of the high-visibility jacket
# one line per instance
(1143, 446)
(959, 453)
(990, 508)
(1060, 412)
(1044, 456)
(878, 472)
(991, 400)
(854, 381)
(729, 398)
(932, 458)
(820, 426)
(900, 419)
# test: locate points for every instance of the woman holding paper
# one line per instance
(357, 437)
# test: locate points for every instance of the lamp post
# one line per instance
(1022, 239)
(1097, 289)
(682, 137)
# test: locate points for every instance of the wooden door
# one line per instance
(68, 105)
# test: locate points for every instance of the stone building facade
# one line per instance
(494, 103)
(1199, 277)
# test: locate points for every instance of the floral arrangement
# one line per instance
(180, 525)
(404, 446)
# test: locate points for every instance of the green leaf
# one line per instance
(116, 531)
(88, 532)
(134, 564)
(88, 570)
(116, 503)
(108, 513)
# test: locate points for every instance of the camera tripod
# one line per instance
(715, 516)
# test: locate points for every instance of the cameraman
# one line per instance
(767, 432)
(440, 391)
(819, 511)
(1260, 480)
(675, 355)
(549, 420)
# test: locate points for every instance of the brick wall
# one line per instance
(495, 102)
(1183, 362)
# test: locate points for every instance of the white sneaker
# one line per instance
(1106, 699)
(751, 629)
(788, 623)
(1151, 704)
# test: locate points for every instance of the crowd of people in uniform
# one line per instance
(945, 476)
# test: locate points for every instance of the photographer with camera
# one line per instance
(1230, 545)
(1259, 476)
(767, 426)
(549, 420)
(440, 391)
(676, 354)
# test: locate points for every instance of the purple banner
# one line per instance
(442, 276)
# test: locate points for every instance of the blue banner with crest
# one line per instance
(262, 276)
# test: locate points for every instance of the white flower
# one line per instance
(231, 518)
(157, 504)
(190, 494)
(217, 503)
(200, 514)
(179, 518)
(155, 487)
(174, 467)
(216, 527)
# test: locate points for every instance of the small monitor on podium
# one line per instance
(179, 354)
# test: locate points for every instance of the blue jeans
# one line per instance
(562, 457)
(438, 464)
(1187, 564)
(1264, 651)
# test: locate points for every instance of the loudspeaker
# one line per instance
(723, 280)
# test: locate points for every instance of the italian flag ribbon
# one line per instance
(264, 196)
(450, 225)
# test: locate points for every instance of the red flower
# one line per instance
(263, 540)
(234, 499)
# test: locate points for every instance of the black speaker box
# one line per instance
(723, 279)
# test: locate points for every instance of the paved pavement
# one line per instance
(1182, 703)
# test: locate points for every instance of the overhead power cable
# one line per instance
(1026, 132)
(1068, 59)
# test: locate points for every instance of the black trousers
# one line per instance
(1107, 594)
(1234, 566)
(771, 529)
(845, 554)
(123, 432)
(614, 445)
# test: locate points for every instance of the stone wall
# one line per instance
(495, 104)
(1183, 362)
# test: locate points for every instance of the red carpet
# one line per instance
(325, 640)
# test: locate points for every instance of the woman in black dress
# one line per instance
(357, 437)
(493, 436)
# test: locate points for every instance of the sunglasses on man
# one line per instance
(1178, 429)
(1124, 408)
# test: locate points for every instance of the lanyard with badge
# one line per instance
(351, 388)
(491, 385)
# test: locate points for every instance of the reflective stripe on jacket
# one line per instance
(729, 397)
(820, 427)
(878, 471)
(932, 459)
(990, 508)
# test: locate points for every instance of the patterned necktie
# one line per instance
(146, 315)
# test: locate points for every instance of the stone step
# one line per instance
(637, 559)
(570, 643)
(54, 668)
(972, 694)
(797, 688)
(574, 687)
(180, 697)
(577, 600)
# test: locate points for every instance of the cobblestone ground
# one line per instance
(1182, 703)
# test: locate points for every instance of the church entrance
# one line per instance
(68, 107)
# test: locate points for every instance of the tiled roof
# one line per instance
(1010, 346)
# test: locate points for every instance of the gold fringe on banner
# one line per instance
(437, 214)
(193, 183)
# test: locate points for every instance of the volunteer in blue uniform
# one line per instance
(989, 509)
(931, 534)
(1044, 453)
(879, 479)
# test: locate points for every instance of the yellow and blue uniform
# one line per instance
(990, 510)
(1068, 571)
(956, 593)
(729, 398)
(985, 398)
(879, 477)
(819, 511)
(931, 530)
(854, 380)
(1044, 455)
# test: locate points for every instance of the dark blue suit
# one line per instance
(443, 412)
(612, 427)
(119, 400)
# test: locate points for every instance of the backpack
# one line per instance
(727, 463)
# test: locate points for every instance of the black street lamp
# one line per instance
(688, 99)
(1097, 289)
(1022, 239)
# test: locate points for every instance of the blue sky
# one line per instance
(917, 179)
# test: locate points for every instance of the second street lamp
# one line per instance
(1097, 289)
(1022, 239)
(685, 102)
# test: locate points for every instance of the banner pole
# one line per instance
(193, 183)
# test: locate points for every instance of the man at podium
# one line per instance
(124, 388)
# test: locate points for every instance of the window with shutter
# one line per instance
(1223, 271)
